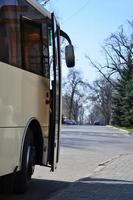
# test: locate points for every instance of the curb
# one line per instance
(125, 131)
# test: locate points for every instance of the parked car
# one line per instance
(69, 122)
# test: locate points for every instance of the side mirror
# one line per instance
(69, 56)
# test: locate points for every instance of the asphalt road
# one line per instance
(95, 138)
(83, 150)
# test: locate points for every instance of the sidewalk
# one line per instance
(113, 180)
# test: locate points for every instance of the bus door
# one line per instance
(55, 117)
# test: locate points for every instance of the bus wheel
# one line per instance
(23, 177)
(6, 184)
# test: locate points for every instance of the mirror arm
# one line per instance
(63, 34)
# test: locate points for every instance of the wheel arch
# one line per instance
(35, 127)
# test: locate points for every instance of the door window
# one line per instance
(31, 47)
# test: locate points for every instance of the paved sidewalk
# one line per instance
(113, 180)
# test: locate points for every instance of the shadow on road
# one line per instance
(87, 188)
(102, 189)
(38, 190)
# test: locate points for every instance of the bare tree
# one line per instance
(118, 68)
(106, 75)
(100, 97)
(118, 51)
(74, 94)
(95, 115)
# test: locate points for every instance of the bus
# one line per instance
(30, 90)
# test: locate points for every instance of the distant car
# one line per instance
(69, 122)
(73, 122)
(97, 123)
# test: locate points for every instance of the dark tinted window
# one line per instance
(30, 12)
(33, 57)
(4, 56)
(9, 32)
(32, 47)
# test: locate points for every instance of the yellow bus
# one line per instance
(30, 90)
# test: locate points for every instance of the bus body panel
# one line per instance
(23, 96)
(10, 148)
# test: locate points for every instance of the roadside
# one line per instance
(123, 129)
(112, 180)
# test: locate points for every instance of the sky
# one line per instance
(89, 23)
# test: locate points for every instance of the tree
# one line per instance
(74, 95)
(122, 99)
(100, 97)
(118, 50)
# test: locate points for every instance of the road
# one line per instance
(83, 150)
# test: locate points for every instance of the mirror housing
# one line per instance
(69, 56)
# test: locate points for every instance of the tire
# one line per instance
(6, 184)
(23, 177)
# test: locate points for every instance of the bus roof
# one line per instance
(40, 8)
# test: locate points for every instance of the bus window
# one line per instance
(31, 47)
(9, 29)
(3, 40)
(38, 25)
(46, 64)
